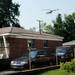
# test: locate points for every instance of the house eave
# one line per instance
(30, 36)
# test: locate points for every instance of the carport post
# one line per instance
(56, 59)
(5, 46)
(29, 59)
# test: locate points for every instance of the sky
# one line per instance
(33, 10)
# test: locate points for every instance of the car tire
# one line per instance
(50, 63)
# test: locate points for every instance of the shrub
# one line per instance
(68, 66)
(61, 65)
(73, 64)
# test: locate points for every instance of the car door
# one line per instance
(42, 56)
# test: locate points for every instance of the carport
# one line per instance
(71, 44)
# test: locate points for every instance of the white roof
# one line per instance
(22, 33)
(69, 43)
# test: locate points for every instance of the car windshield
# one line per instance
(60, 50)
(26, 55)
(33, 54)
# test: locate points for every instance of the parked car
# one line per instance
(64, 53)
(37, 57)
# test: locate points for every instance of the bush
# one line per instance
(73, 64)
(68, 66)
(61, 65)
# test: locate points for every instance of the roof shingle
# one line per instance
(21, 31)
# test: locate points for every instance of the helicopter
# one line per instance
(51, 11)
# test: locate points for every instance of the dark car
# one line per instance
(64, 53)
(37, 57)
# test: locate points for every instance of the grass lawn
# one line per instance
(57, 72)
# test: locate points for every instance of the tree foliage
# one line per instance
(58, 25)
(63, 27)
(66, 27)
(9, 12)
(69, 27)
(48, 29)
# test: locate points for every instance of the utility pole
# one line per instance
(29, 50)
(30, 59)
(39, 21)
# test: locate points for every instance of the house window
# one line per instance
(45, 43)
(31, 43)
(1, 43)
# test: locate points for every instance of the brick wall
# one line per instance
(51, 44)
(39, 44)
(54, 44)
(18, 47)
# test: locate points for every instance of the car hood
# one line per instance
(60, 54)
(19, 61)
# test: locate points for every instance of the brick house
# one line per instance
(14, 42)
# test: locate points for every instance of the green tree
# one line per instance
(66, 27)
(58, 25)
(69, 27)
(48, 29)
(9, 12)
